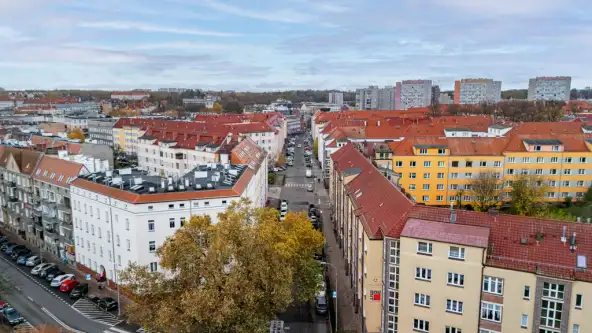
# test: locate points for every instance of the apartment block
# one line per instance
(336, 97)
(101, 131)
(413, 94)
(416, 268)
(477, 91)
(549, 88)
(375, 98)
(121, 217)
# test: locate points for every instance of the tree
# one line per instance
(281, 160)
(232, 276)
(435, 109)
(453, 109)
(315, 147)
(588, 195)
(76, 134)
(217, 108)
(485, 188)
(233, 107)
(528, 192)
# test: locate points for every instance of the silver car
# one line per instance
(33, 261)
(37, 269)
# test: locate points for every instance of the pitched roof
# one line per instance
(378, 202)
(457, 146)
(447, 232)
(25, 159)
(56, 171)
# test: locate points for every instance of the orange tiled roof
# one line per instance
(57, 172)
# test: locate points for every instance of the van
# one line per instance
(308, 173)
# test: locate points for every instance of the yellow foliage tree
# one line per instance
(76, 134)
(281, 160)
(217, 108)
(232, 276)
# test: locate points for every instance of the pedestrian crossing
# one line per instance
(119, 330)
(296, 185)
(25, 327)
(92, 312)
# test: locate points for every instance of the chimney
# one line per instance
(572, 243)
(564, 235)
(579, 219)
(162, 183)
(588, 220)
(378, 123)
(453, 217)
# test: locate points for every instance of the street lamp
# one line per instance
(324, 263)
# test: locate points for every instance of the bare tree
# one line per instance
(485, 186)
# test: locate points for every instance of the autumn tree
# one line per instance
(281, 161)
(485, 188)
(232, 276)
(76, 134)
(435, 110)
(315, 147)
(528, 194)
(233, 107)
(217, 108)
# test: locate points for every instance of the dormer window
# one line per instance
(556, 148)
(423, 151)
(537, 148)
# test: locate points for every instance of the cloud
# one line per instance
(11, 35)
(138, 26)
(281, 15)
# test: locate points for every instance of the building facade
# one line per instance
(336, 97)
(413, 94)
(101, 131)
(130, 95)
(545, 88)
(122, 217)
(416, 268)
(477, 91)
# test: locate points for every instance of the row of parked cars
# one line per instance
(50, 272)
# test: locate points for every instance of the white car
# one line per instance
(39, 268)
(33, 261)
(299, 145)
(308, 173)
(283, 215)
(284, 206)
(59, 279)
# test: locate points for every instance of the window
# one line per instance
(452, 330)
(453, 186)
(423, 151)
(426, 175)
(553, 290)
(440, 187)
(182, 205)
(423, 274)
(454, 306)
(552, 183)
(425, 198)
(582, 160)
(497, 164)
(151, 225)
(468, 175)
(538, 148)
(427, 164)
(575, 328)
(441, 164)
(224, 202)
(412, 175)
(580, 183)
(510, 171)
(567, 171)
(424, 247)
(556, 148)
(171, 206)
(526, 294)
(150, 207)
(206, 203)
(100, 233)
(411, 187)
(172, 222)
(412, 164)
(441, 151)
(126, 224)
(511, 160)
(128, 244)
(554, 159)
(440, 175)
(152, 246)
(566, 183)
(426, 187)
(553, 171)
(399, 163)
(153, 267)
(455, 279)
(182, 221)
(421, 325)
(491, 311)
(493, 285)
(540, 160)
(117, 240)
(108, 237)
(524, 321)
(456, 252)
(581, 172)
(422, 300)
(550, 194)
(567, 160)
(454, 175)
(551, 313)
(439, 198)
(579, 299)
(538, 171)
(455, 164)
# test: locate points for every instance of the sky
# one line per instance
(270, 45)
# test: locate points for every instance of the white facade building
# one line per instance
(336, 97)
(556, 88)
(116, 224)
(477, 91)
(413, 94)
(130, 95)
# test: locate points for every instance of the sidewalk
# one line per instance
(93, 284)
(347, 319)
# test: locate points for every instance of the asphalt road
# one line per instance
(302, 317)
(38, 305)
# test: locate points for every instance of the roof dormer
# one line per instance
(543, 145)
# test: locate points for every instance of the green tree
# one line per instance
(588, 195)
(233, 107)
(528, 195)
(485, 187)
(232, 276)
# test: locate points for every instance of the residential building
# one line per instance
(51, 181)
(549, 88)
(477, 91)
(386, 98)
(130, 95)
(444, 99)
(122, 217)
(208, 101)
(367, 98)
(83, 107)
(435, 94)
(6, 103)
(336, 97)
(101, 130)
(17, 200)
(294, 124)
(413, 94)
(416, 268)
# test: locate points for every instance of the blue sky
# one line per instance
(289, 44)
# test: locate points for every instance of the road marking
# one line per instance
(25, 327)
(92, 312)
(30, 299)
(115, 329)
(60, 322)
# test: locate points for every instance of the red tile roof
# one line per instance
(26, 160)
(447, 233)
(457, 146)
(63, 171)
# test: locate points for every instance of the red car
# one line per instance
(68, 285)
(306, 148)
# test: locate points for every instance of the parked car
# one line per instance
(94, 299)
(79, 291)
(68, 285)
(321, 305)
(18, 254)
(42, 272)
(308, 173)
(22, 259)
(3, 239)
(14, 248)
(54, 274)
(284, 206)
(108, 304)
(12, 316)
(33, 261)
(309, 187)
(6, 245)
(58, 280)
(299, 145)
(35, 270)
(3, 305)
(283, 215)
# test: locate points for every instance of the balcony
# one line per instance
(66, 218)
(13, 198)
(64, 205)
(11, 184)
(49, 218)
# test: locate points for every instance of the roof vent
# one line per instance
(524, 241)
(572, 244)
(564, 235)
(579, 219)
(453, 217)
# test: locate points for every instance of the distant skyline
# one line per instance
(289, 44)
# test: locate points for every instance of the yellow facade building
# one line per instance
(417, 268)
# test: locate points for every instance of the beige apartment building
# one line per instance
(416, 268)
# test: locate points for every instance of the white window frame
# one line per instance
(493, 308)
(524, 320)
(494, 285)
(428, 247)
(422, 300)
(424, 274)
(421, 325)
(459, 278)
(460, 253)
(454, 306)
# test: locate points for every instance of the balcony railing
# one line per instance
(12, 198)
(11, 183)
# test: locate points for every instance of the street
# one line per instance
(301, 318)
